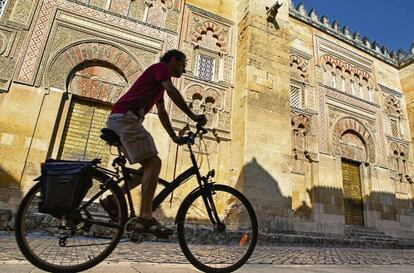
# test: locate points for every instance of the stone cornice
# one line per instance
(391, 91)
(397, 59)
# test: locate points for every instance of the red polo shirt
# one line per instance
(145, 92)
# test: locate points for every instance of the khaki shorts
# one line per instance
(137, 142)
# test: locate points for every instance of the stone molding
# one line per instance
(391, 91)
(397, 59)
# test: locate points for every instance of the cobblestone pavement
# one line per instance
(149, 252)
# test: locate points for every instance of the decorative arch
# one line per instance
(215, 95)
(343, 66)
(398, 157)
(200, 33)
(299, 66)
(207, 101)
(352, 126)
(63, 65)
(194, 95)
(393, 105)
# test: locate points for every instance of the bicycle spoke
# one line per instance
(82, 238)
(227, 244)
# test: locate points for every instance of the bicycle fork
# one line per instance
(207, 193)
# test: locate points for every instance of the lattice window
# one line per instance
(394, 128)
(295, 97)
(81, 139)
(206, 68)
(2, 6)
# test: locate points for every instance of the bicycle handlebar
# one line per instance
(200, 131)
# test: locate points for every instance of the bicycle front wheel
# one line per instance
(217, 248)
(73, 242)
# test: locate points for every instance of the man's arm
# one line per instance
(165, 120)
(176, 97)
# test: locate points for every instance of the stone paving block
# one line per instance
(164, 268)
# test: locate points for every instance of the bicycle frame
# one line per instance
(169, 187)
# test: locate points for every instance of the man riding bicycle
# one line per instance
(126, 119)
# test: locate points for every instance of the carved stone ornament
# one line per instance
(299, 68)
(63, 64)
(218, 38)
(3, 43)
(393, 106)
(350, 138)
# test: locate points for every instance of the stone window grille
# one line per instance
(394, 128)
(295, 97)
(2, 6)
(206, 67)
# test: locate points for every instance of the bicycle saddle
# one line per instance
(110, 137)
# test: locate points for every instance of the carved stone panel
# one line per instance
(398, 161)
(213, 102)
(392, 105)
(120, 6)
(7, 67)
(38, 39)
(21, 11)
(206, 34)
(299, 68)
(7, 57)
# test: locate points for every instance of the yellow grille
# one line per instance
(82, 130)
(353, 206)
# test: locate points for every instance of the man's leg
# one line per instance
(151, 170)
(136, 180)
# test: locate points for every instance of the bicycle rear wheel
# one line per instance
(76, 241)
(213, 248)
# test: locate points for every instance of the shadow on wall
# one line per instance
(7, 181)
(386, 204)
(276, 213)
(10, 196)
(273, 210)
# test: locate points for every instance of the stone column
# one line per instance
(261, 113)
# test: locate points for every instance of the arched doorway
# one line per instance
(353, 153)
(354, 144)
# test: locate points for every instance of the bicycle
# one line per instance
(215, 216)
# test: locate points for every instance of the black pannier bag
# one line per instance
(63, 186)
